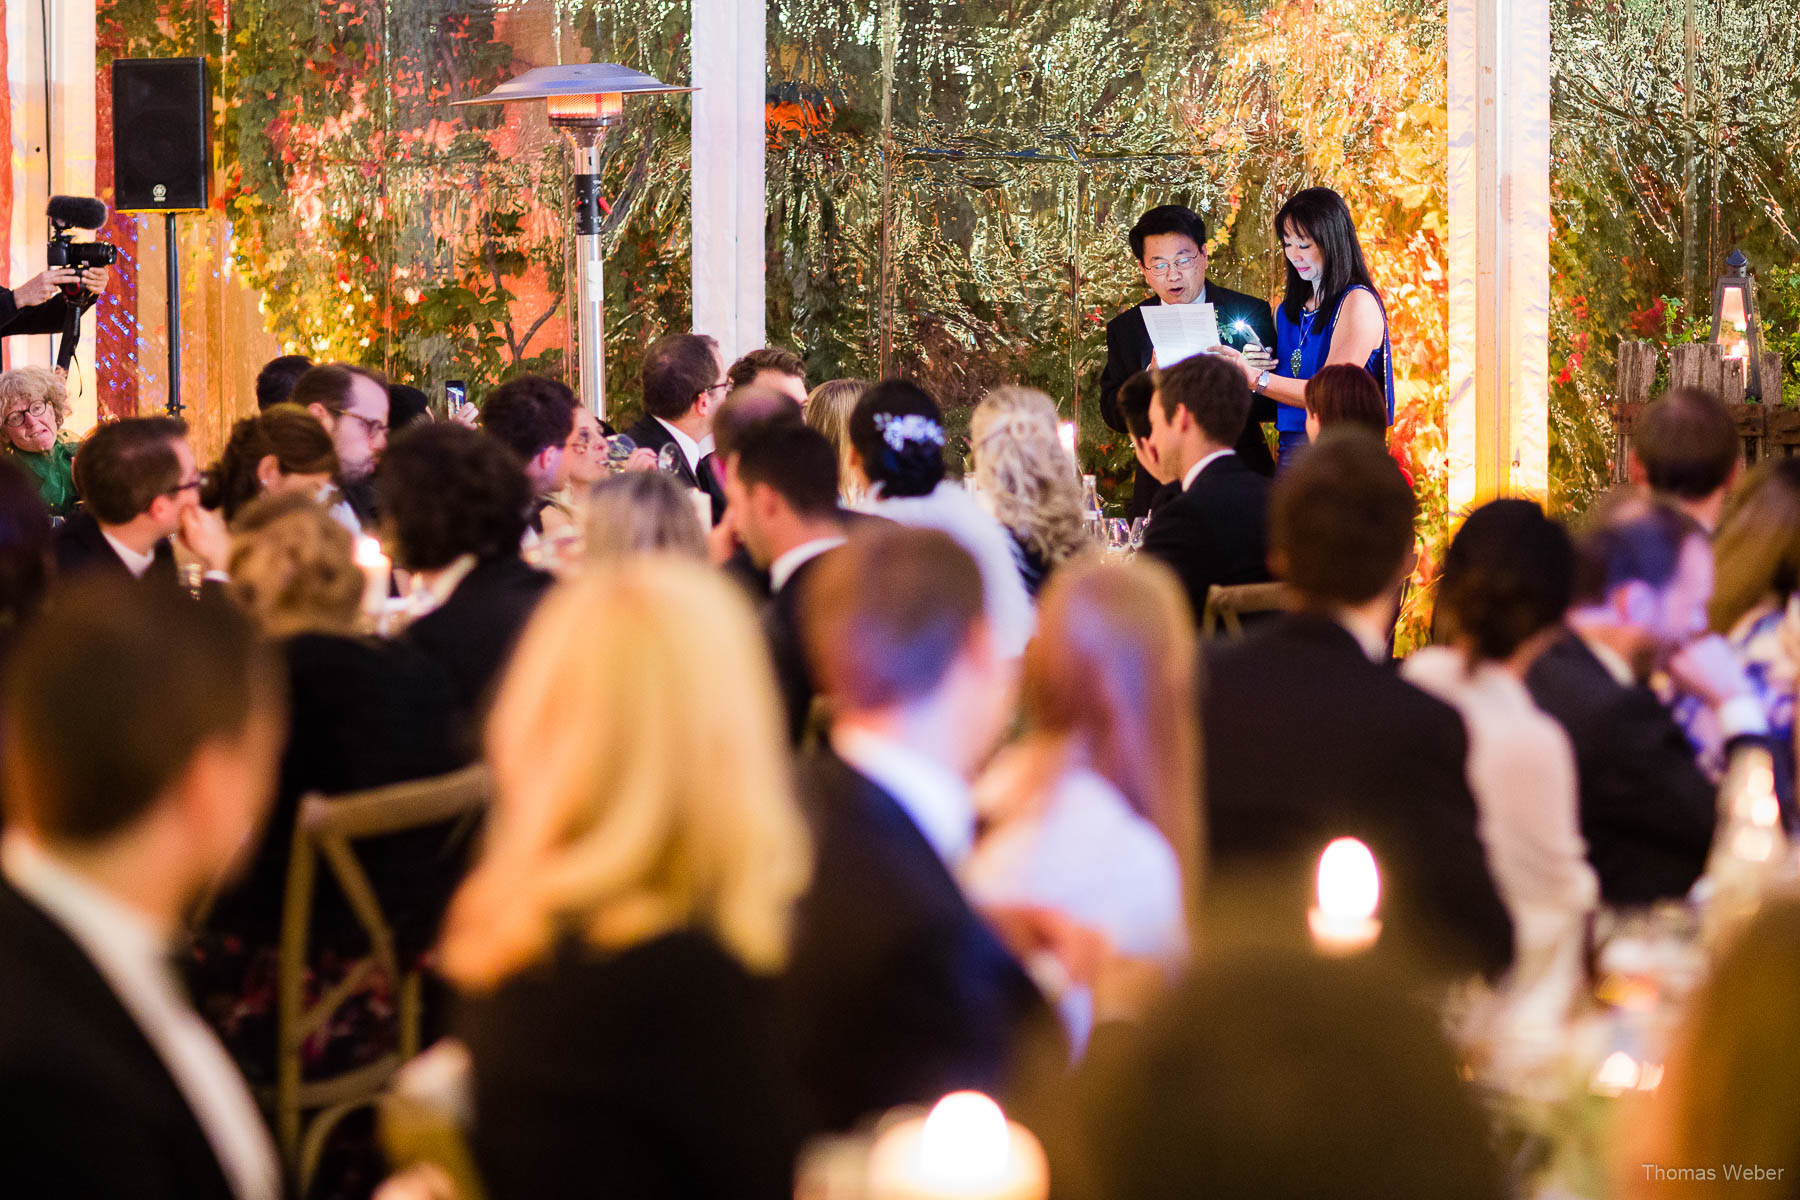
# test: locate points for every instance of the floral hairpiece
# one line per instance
(896, 431)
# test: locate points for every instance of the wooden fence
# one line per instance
(1767, 429)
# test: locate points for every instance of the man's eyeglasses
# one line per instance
(1160, 268)
(194, 484)
(17, 418)
(371, 428)
(719, 387)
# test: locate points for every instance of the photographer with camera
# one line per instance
(39, 305)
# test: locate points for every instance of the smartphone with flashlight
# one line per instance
(456, 394)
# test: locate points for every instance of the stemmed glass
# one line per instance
(1138, 525)
(670, 460)
(619, 449)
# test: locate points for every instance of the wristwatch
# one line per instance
(1262, 381)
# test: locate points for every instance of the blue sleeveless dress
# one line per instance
(1301, 348)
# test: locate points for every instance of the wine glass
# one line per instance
(1118, 536)
(670, 460)
(1138, 525)
(619, 449)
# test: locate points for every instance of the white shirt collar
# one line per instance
(1611, 659)
(937, 799)
(784, 566)
(692, 450)
(1193, 472)
(431, 590)
(134, 562)
(1372, 638)
(129, 951)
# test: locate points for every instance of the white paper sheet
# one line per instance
(1179, 331)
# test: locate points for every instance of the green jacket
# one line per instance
(54, 471)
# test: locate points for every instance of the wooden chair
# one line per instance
(1225, 605)
(326, 830)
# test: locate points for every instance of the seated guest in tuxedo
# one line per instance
(897, 991)
(275, 382)
(1280, 1074)
(612, 945)
(281, 449)
(683, 383)
(362, 712)
(1084, 813)
(1507, 581)
(141, 730)
(743, 409)
(1135, 396)
(139, 489)
(1214, 532)
(1685, 450)
(784, 504)
(533, 417)
(453, 507)
(1643, 581)
(642, 511)
(1027, 480)
(897, 438)
(1169, 243)
(772, 368)
(828, 409)
(352, 403)
(1308, 736)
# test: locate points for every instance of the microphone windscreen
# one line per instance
(83, 212)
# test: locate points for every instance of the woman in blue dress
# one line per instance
(1331, 313)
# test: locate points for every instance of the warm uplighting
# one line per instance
(965, 1149)
(1343, 921)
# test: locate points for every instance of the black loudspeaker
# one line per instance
(162, 156)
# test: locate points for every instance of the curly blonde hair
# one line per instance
(22, 385)
(1025, 474)
(293, 567)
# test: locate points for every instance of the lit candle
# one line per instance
(375, 568)
(965, 1149)
(1343, 921)
(1067, 431)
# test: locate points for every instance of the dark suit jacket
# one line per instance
(362, 713)
(1128, 351)
(787, 647)
(471, 634)
(649, 434)
(658, 1066)
(87, 1109)
(1647, 809)
(80, 546)
(896, 991)
(1307, 740)
(1215, 532)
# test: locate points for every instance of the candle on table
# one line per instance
(375, 568)
(1343, 921)
(965, 1149)
(1066, 431)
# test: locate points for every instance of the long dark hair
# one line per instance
(1322, 217)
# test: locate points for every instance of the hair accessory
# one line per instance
(897, 431)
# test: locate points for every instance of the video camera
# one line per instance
(79, 212)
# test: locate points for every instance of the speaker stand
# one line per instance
(171, 254)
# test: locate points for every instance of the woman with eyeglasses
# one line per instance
(1330, 314)
(33, 406)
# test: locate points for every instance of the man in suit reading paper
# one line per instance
(1169, 243)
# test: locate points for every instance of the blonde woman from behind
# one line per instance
(643, 856)
(1027, 480)
(1093, 813)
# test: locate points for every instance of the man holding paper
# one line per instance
(1169, 243)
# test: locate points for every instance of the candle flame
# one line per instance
(1349, 882)
(1619, 1073)
(966, 1142)
(369, 553)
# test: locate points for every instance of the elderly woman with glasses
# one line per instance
(33, 406)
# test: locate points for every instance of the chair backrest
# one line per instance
(1224, 605)
(327, 828)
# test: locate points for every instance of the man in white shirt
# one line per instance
(140, 488)
(783, 488)
(1215, 531)
(142, 730)
(684, 381)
